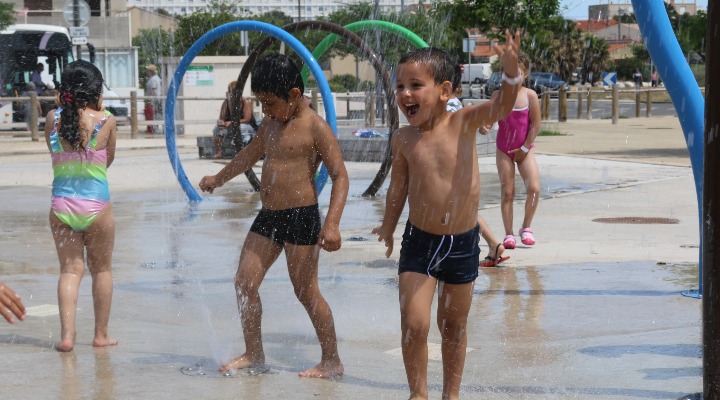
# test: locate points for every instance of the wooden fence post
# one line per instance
(545, 106)
(637, 103)
(615, 104)
(133, 115)
(562, 104)
(589, 104)
(34, 136)
(579, 100)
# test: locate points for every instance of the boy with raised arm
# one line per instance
(294, 139)
(435, 167)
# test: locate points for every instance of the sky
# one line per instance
(578, 9)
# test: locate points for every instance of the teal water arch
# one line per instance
(390, 27)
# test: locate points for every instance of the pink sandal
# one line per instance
(509, 242)
(526, 236)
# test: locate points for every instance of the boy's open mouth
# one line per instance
(412, 109)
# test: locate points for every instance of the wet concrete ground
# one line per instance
(593, 311)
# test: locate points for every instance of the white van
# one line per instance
(475, 73)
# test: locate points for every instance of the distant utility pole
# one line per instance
(76, 23)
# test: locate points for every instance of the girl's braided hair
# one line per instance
(81, 85)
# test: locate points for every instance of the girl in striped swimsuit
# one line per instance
(81, 139)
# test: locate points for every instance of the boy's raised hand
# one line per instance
(509, 53)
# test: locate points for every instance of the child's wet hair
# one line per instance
(437, 62)
(456, 77)
(524, 63)
(81, 85)
(276, 74)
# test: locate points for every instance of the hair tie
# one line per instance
(68, 98)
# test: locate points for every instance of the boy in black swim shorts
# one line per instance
(299, 225)
(294, 140)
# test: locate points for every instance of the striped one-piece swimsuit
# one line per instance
(80, 187)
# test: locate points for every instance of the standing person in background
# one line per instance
(515, 142)
(654, 78)
(81, 139)
(637, 78)
(495, 248)
(28, 106)
(153, 107)
(454, 103)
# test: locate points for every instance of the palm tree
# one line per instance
(595, 58)
(568, 45)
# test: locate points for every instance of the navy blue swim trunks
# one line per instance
(453, 259)
(298, 225)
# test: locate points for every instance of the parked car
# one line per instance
(492, 84)
(544, 81)
(116, 106)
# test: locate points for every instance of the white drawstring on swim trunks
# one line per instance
(436, 252)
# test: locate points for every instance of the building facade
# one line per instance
(109, 27)
(610, 10)
(300, 10)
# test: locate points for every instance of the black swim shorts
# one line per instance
(453, 259)
(299, 225)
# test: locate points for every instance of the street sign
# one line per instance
(79, 31)
(468, 45)
(609, 78)
(79, 40)
(83, 12)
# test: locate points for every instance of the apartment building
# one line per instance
(300, 10)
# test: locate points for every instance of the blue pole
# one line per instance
(684, 92)
(196, 48)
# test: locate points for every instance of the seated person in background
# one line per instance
(36, 78)
(47, 105)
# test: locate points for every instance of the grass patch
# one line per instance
(544, 132)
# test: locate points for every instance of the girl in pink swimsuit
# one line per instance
(81, 139)
(515, 142)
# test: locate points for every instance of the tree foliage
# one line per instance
(193, 26)
(557, 48)
(595, 59)
(152, 45)
(529, 16)
(552, 43)
(7, 16)
(690, 30)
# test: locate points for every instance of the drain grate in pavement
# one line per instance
(636, 220)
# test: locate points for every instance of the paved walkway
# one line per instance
(593, 311)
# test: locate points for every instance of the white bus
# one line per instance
(22, 48)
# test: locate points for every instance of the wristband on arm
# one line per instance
(512, 81)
